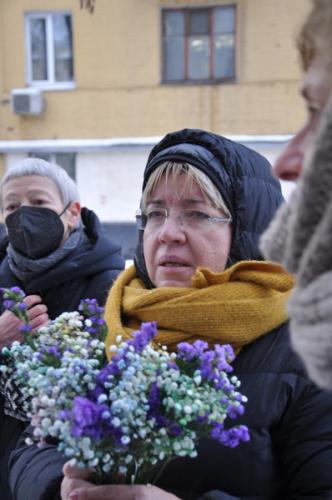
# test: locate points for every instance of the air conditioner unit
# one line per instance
(29, 101)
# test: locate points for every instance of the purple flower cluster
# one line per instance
(212, 363)
(155, 411)
(92, 419)
(13, 300)
(230, 437)
(143, 337)
(91, 310)
(140, 339)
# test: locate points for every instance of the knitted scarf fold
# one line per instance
(235, 306)
(25, 269)
(300, 238)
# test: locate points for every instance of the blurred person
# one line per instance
(56, 253)
(300, 237)
(199, 273)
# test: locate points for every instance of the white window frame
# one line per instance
(51, 83)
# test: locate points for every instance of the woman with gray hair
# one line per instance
(56, 253)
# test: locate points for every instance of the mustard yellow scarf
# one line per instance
(233, 307)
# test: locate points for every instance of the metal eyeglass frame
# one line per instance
(140, 218)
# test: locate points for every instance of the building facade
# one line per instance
(94, 92)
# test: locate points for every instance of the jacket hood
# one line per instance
(242, 176)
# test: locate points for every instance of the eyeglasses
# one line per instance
(188, 218)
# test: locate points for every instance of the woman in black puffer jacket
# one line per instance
(290, 452)
(57, 254)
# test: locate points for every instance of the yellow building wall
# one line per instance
(117, 61)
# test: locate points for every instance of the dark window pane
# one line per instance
(199, 22)
(173, 23)
(42, 156)
(68, 162)
(224, 20)
(174, 58)
(224, 56)
(198, 57)
(63, 51)
(38, 49)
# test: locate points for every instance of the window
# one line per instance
(66, 160)
(49, 49)
(199, 44)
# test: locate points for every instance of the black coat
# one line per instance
(290, 420)
(289, 455)
(88, 272)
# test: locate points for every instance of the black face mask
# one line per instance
(35, 232)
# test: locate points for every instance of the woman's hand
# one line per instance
(75, 486)
(10, 325)
(37, 312)
(75, 478)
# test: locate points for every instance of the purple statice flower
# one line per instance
(87, 419)
(235, 411)
(172, 365)
(17, 290)
(155, 409)
(186, 351)
(54, 351)
(200, 347)
(172, 427)
(224, 356)
(110, 369)
(93, 312)
(230, 437)
(154, 398)
(25, 328)
(202, 418)
(207, 367)
(214, 363)
(13, 301)
(102, 377)
(141, 338)
(189, 352)
(8, 303)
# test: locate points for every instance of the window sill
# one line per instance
(53, 86)
(224, 81)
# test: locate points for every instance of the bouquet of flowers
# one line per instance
(123, 418)
(72, 336)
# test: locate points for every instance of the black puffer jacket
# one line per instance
(88, 272)
(290, 452)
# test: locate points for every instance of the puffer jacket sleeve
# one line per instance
(35, 473)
